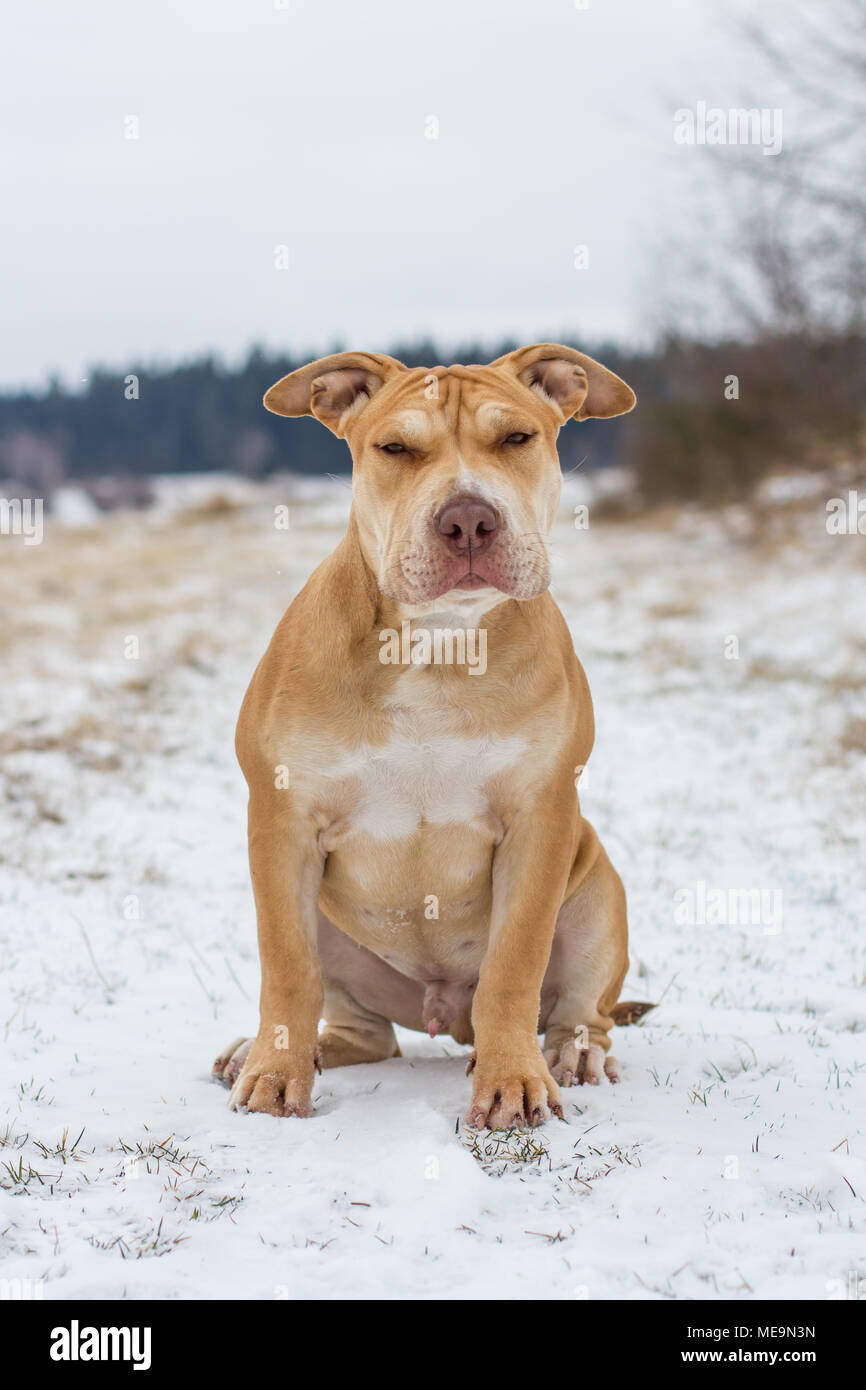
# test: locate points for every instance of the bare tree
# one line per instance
(798, 221)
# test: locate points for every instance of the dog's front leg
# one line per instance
(286, 866)
(511, 1081)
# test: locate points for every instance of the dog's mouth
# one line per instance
(422, 573)
(468, 573)
(473, 580)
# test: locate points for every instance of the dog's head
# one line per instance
(456, 478)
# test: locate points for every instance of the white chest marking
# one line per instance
(439, 780)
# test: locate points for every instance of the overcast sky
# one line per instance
(305, 126)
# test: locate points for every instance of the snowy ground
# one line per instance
(728, 1164)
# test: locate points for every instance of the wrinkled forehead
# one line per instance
(426, 403)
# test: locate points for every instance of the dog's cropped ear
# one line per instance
(575, 384)
(334, 388)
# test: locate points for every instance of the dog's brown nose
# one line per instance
(467, 524)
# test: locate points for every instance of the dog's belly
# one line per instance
(410, 849)
(421, 903)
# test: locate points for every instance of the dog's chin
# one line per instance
(466, 587)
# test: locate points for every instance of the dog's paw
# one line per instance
(227, 1067)
(509, 1091)
(573, 1065)
(268, 1080)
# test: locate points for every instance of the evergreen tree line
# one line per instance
(711, 419)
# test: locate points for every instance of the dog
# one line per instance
(417, 850)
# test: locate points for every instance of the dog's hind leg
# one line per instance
(364, 997)
(588, 963)
(352, 1033)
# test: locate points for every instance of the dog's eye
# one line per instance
(393, 448)
(517, 438)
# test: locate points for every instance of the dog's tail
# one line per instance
(629, 1011)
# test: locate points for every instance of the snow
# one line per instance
(729, 1161)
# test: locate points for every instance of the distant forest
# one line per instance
(710, 419)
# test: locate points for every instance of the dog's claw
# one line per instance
(265, 1082)
(511, 1092)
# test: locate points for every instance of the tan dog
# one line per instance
(417, 850)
